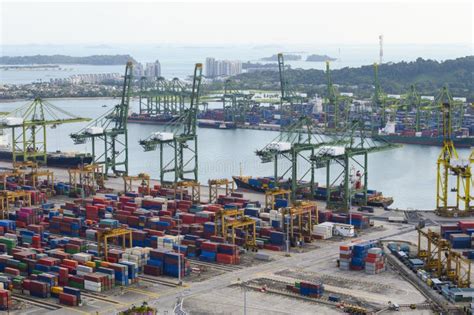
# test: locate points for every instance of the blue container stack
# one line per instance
(359, 253)
(460, 240)
(209, 227)
(311, 289)
(171, 267)
(253, 212)
(277, 238)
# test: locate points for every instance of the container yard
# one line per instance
(81, 234)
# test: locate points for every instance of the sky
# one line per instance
(225, 22)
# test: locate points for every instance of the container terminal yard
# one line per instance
(88, 237)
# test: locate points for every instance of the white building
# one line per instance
(216, 68)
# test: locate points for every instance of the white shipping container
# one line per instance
(94, 130)
(332, 150)
(345, 230)
(11, 121)
(279, 146)
(163, 136)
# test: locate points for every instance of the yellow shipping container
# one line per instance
(90, 264)
(56, 290)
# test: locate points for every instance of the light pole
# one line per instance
(179, 252)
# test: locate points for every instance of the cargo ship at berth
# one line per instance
(54, 159)
(214, 124)
(151, 120)
(262, 184)
(425, 137)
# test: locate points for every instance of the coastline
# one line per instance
(62, 98)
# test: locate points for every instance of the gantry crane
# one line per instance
(111, 130)
(159, 96)
(334, 115)
(28, 125)
(103, 236)
(440, 259)
(294, 146)
(236, 104)
(289, 97)
(181, 136)
(305, 213)
(144, 180)
(215, 184)
(448, 164)
(232, 219)
(87, 177)
(353, 144)
(378, 103)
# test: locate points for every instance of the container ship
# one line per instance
(261, 184)
(461, 139)
(215, 124)
(151, 119)
(54, 159)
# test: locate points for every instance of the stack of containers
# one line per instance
(171, 266)
(460, 240)
(313, 289)
(227, 254)
(277, 240)
(209, 251)
(5, 300)
(154, 265)
(323, 231)
(375, 261)
(359, 253)
(345, 257)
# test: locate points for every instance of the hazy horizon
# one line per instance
(228, 23)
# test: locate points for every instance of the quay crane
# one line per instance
(295, 145)
(448, 164)
(158, 96)
(236, 104)
(28, 125)
(354, 143)
(334, 115)
(110, 129)
(181, 137)
(289, 97)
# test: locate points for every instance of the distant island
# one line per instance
(319, 58)
(286, 56)
(97, 60)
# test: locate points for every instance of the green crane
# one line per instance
(181, 136)
(292, 148)
(353, 144)
(236, 104)
(159, 96)
(110, 129)
(336, 107)
(378, 102)
(288, 97)
(28, 126)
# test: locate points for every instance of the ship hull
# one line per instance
(150, 120)
(243, 185)
(54, 160)
(217, 125)
(432, 141)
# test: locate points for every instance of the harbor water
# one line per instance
(408, 174)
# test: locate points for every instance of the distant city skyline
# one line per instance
(103, 23)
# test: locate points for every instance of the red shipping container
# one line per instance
(225, 259)
(67, 299)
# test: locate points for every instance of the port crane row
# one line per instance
(304, 144)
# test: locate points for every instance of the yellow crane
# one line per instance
(448, 164)
(143, 177)
(235, 219)
(272, 194)
(215, 184)
(103, 237)
(440, 259)
(303, 213)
